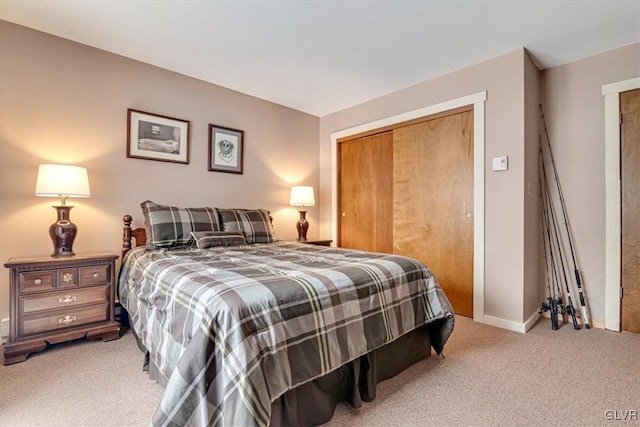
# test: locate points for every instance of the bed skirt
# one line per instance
(314, 403)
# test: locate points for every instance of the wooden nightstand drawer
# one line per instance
(37, 281)
(94, 274)
(64, 319)
(69, 298)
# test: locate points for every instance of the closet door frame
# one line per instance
(478, 101)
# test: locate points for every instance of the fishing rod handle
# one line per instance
(554, 321)
(554, 315)
(575, 322)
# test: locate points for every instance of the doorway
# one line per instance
(613, 206)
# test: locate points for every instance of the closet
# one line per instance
(408, 190)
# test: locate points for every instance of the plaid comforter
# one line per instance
(233, 328)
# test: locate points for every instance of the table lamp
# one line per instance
(302, 196)
(62, 181)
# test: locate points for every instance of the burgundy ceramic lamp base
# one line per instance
(302, 226)
(63, 233)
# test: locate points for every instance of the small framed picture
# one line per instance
(155, 137)
(226, 149)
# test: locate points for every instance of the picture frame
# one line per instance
(226, 149)
(153, 136)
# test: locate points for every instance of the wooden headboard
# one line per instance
(139, 234)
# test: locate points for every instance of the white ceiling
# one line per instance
(324, 56)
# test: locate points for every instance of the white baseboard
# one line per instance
(511, 325)
(505, 324)
(596, 323)
(4, 330)
(531, 321)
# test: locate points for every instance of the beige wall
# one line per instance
(532, 294)
(504, 80)
(63, 102)
(574, 109)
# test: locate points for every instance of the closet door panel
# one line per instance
(433, 201)
(365, 193)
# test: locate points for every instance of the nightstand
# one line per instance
(317, 242)
(59, 299)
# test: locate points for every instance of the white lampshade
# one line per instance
(302, 196)
(62, 181)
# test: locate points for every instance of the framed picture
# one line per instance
(226, 149)
(155, 137)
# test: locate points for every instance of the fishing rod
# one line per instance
(552, 298)
(584, 309)
(546, 215)
(556, 281)
(553, 219)
(554, 267)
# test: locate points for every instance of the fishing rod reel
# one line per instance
(544, 307)
(554, 308)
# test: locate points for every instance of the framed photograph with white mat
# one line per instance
(156, 137)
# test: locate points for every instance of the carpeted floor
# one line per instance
(489, 377)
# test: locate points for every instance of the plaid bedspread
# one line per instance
(233, 328)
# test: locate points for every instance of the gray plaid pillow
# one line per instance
(253, 223)
(169, 226)
(210, 239)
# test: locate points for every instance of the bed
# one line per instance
(242, 329)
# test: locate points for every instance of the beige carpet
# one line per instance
(489, 377)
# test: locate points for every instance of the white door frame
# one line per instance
(478, 102)
(613, 211)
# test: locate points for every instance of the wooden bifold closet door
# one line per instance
(409, 191)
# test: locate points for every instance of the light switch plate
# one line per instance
(501, 163)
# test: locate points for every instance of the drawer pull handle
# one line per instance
(67, 299)
(67, 277)
(96, 275)
(67, 319)
(37, 281)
